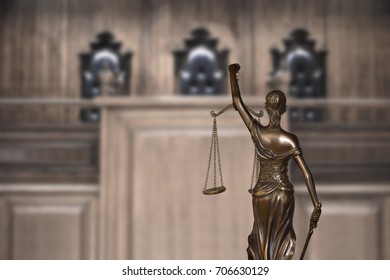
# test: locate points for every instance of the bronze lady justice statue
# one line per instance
(273, 235)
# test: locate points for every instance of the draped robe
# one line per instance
(272, 236)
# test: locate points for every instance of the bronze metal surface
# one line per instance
(273, 236)
(216, 190)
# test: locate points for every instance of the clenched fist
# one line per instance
(234, 68)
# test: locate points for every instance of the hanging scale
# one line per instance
(216, 158)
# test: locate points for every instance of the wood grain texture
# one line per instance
(386, 229)
(354, 156)
(45, 223)
(49, 154)
(41, 40)
(152, 176)
(151, 206)
(353, 224)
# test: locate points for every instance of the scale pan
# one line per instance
(215, 190)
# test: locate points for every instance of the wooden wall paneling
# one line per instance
(4, 229)
(116, 201)
(222, 19)
(334, 59)
(80, 34)
(349, 46)
(313, 19)
(59, 56)
(17, 51)
(316, 21)
(386, 229)
(385, 22)
(347, 53)
(152, 177)
(127, 29)
(121, 17)
(137, 180)
(361, 73)
(379, 36)
(273, 21)
(42, 36)
(148, 66)
(185, 16)
(4, 9)
(49, 154)
(180, 224)
(349, 230)
(29, 56)
(351, 40)
(47, 63)
(78, 16)
(351, 68)
(247, 52)
(56, 222)
(77, 42)
(263, 25)
(353, 222)
(56, 21)
(381, 22)
(367, 68)
(189, 16)
(159, 21)
(38, 61)
(41, 40)
(338, 157)
(232, 24)
(109, 244)
(164, 19)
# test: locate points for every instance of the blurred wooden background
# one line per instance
(40, 40)
(51, 199)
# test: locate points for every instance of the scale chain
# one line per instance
(218, 153)
(215, 150)
(208, 166)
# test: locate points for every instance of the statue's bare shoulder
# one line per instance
(290, 140)
(279, 141)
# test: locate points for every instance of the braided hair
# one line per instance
(275, 104)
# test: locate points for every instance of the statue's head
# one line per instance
(275, 104)
(275, 101)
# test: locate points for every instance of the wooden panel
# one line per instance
(41, 40)
(386, 229)
(346, 157)
(152, 208)
(43, 232)
(41, 54)
(173, 215)
(49, 154)
(153, 173)
(349, 230)
(47, 226)
(4, 229)
(353, 224)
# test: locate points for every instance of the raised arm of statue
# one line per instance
(236, 96)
